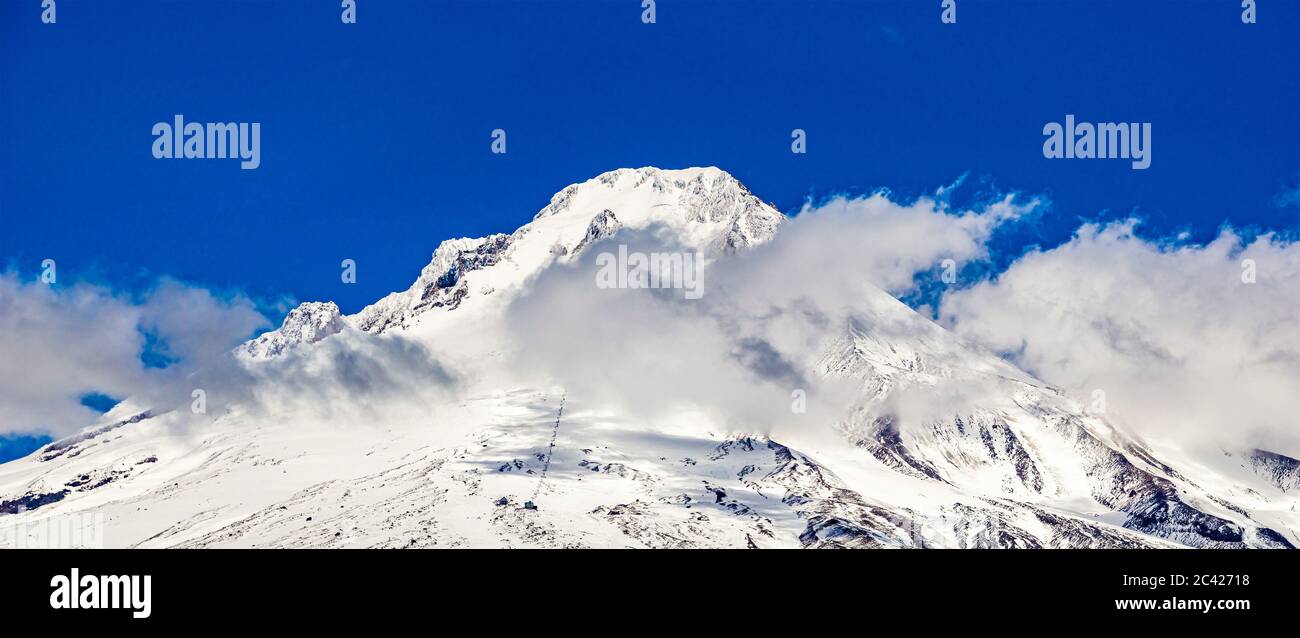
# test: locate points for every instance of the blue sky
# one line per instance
(375, 136)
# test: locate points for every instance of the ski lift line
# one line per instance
(550, 450)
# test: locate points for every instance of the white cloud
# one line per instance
(739, 352)
(887, 243)
(1178, 343)
(60, 342)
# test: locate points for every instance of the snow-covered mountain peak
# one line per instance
(308, 323)
(709, 179)
(706, 208)
(712, 208)
(935, 442)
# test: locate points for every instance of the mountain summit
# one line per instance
(710, 209)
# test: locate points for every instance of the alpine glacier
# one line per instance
(413, 423)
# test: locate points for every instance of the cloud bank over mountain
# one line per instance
(1172, 333)
(1168, 330)
(740, 353)
(61, 342)
(518, 367)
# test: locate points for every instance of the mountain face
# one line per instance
(711, 210)
(1283, 472)
(1014, 464)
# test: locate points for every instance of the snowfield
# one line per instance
(432, 418)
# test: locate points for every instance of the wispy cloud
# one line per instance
(1288, 197)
